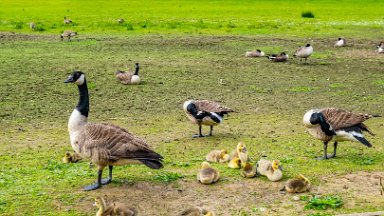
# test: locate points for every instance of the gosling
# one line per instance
(272, 170)
(298, 185)
(71, 158)
(115, 209)
(207, 174)
(235, 163)
(248, 171)
(242, 152)
(217, 156)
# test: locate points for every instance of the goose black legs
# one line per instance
(210, 132)
(326, 156)
(100, 181)
(198, 135)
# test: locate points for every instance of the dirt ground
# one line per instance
(246, 197)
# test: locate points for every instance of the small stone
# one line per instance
(296, 198)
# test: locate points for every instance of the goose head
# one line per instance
(276, 165)
(311, 118)
(308, 45)
(76, 77)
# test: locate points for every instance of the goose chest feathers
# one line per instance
(332, 124)
(205, 112)
(105, 144)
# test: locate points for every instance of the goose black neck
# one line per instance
(137, 70)
(83, 105)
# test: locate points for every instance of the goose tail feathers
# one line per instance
(153, 164)
(363, 141)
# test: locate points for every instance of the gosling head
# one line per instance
(303, 178)
(205, 165)
(67, 154)
(241, 147)
(76, 77)
(237, 161)
(223, 152)
(276, 165)
(99, 201)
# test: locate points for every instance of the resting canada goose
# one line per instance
(235, 163)
(196, 211)
(304, 52)
(120, 20)
(67, 21)
(207, 174)
(129, 78)
(71, 157)
(380, 48)
(105, 144)
(242, 152)
(272, 170)
(257, 53)
(332, 124)
(248, 171)
(217, 156)
(32, 26)
(205, 112)
(282, 57)
(117, 209)
(340, 42)
(68, 34)
(297, 185)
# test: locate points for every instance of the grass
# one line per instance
(183, 51)
(324, 202)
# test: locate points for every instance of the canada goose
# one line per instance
(105, 144)
(205, 112)
(195, 211)
(32, 26)
(235, 163)
(282, 57)
(129, 78)
(67, 21)
(68, 34)
(71, 158)
(337, 125)
(248, 171)
(380, 48)
(117, 209)
(207, 174)
(340, 42)
(120, 20)
(242, 152)
(217, 156)
(297, 185)
(304, 52)
(257, 53)
(272, 170)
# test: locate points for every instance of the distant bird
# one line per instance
(115, 209)
(271, 169)
(71, 157)
(32, 26)
(297, 185)
(217, 156)
(128, 78)
(106, 145)
(304, 52)
(257, 53)
(380, 48)
(68, 34)
(340, 42)
(120, 20)
(67, 21)
(205, 112)
(332, 124)
(207, 174)
(282, 57)
(248, 171)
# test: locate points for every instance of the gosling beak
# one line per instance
(280, 168)
(69, 79)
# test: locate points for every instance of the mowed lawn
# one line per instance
(188, 50)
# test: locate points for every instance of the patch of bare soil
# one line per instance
(238, 197)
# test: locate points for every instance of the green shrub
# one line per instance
(307, 14)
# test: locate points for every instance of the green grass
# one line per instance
(324, 202)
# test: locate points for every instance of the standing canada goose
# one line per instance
(120, 20)
(117, 209)
(67, 21)
(71, 158)
(380, 48)
(129, 78)
(340, 42)
(207, 174)
(337, 125)
(105, 144)
(217, 156)
(304, 52)
(32, 26)
(205, 112)
(242, 152)
(282, 57)
(257, 53)
(248, 171)
(68, 34)
(272, 170)
(297, 185)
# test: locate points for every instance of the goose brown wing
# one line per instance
(339, 118)
(111, 142)
(124, 77)
(210, 106)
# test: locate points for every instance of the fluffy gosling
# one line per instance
(217, 156)
(235, 163)
(71, 157)
(242, 152)
(297, 185)
(248, 171)
(115, 209)
(207, 174)
(271, 169)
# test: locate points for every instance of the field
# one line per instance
(184, 51)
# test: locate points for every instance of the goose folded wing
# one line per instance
(210, 106)
(340, 119)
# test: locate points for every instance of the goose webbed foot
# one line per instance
(92, 187)
(106, 181)
(328, 156)
(198, 136)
